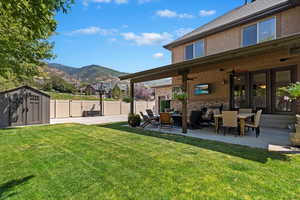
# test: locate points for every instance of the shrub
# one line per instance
(134, 120)
(127, 99)
(292, 90)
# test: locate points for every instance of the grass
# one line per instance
(67, 96)
(74, 161)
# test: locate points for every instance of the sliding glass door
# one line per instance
(240, 91)
(260, 90)
(281, 78)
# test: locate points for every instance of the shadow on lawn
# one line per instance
(258, 155)
(6, 187)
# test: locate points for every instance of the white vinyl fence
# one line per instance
(75, 108)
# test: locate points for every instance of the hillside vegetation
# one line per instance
(67, 96)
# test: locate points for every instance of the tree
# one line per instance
(116, 92)
(143, 93)
(56, 83)
(25, 26)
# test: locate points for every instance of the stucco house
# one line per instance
(239, 60)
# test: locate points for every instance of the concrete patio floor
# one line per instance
(271, 139)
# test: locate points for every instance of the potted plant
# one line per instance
(293, 91)
(134, 120)
(180, 96)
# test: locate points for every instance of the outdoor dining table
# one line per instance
(242, 117)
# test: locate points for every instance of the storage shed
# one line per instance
(24, 106)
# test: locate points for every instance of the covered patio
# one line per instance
(281, 51)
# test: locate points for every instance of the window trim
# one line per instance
(194, 50)
(257, 28)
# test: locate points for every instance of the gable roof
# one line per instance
(25, 87)
(241, 15)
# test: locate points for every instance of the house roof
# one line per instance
(204, 62)
(241, 15)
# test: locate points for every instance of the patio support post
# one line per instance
(184, 102)
(131, 97)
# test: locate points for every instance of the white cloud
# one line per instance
(158, 55)
(94, 30)
(172, 14)
(182, 31)
(148, 38)
(166, 13)
(204, 13)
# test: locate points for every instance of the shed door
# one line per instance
(33, 115)
(17, 109)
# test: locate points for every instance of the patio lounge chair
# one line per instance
(256, 124)
(147, 121)
(230, 120)
(151, 115)
(165, 120)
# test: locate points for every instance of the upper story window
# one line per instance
(194, 50)
(259, 32)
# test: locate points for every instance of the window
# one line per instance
(199, 49)
(250, 35)
(283, 103)
(262, 90)
(189, 52)
(260, 32)
(267, 30)
(194, 50)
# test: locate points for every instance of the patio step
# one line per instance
(277, 121)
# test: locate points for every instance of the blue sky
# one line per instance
(128, 35)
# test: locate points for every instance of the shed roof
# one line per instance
(241, 15)
(25, 87)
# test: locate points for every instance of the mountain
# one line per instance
(55, 71)
(88, 74)
(94, 73)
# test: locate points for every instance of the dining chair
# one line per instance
(165, 120)
(215, 112)
(245, 110)
(256, 124)
(230, 120)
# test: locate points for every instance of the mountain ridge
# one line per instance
(88, 74)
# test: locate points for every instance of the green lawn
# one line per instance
(115, 162)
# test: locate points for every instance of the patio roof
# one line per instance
(172, 70)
